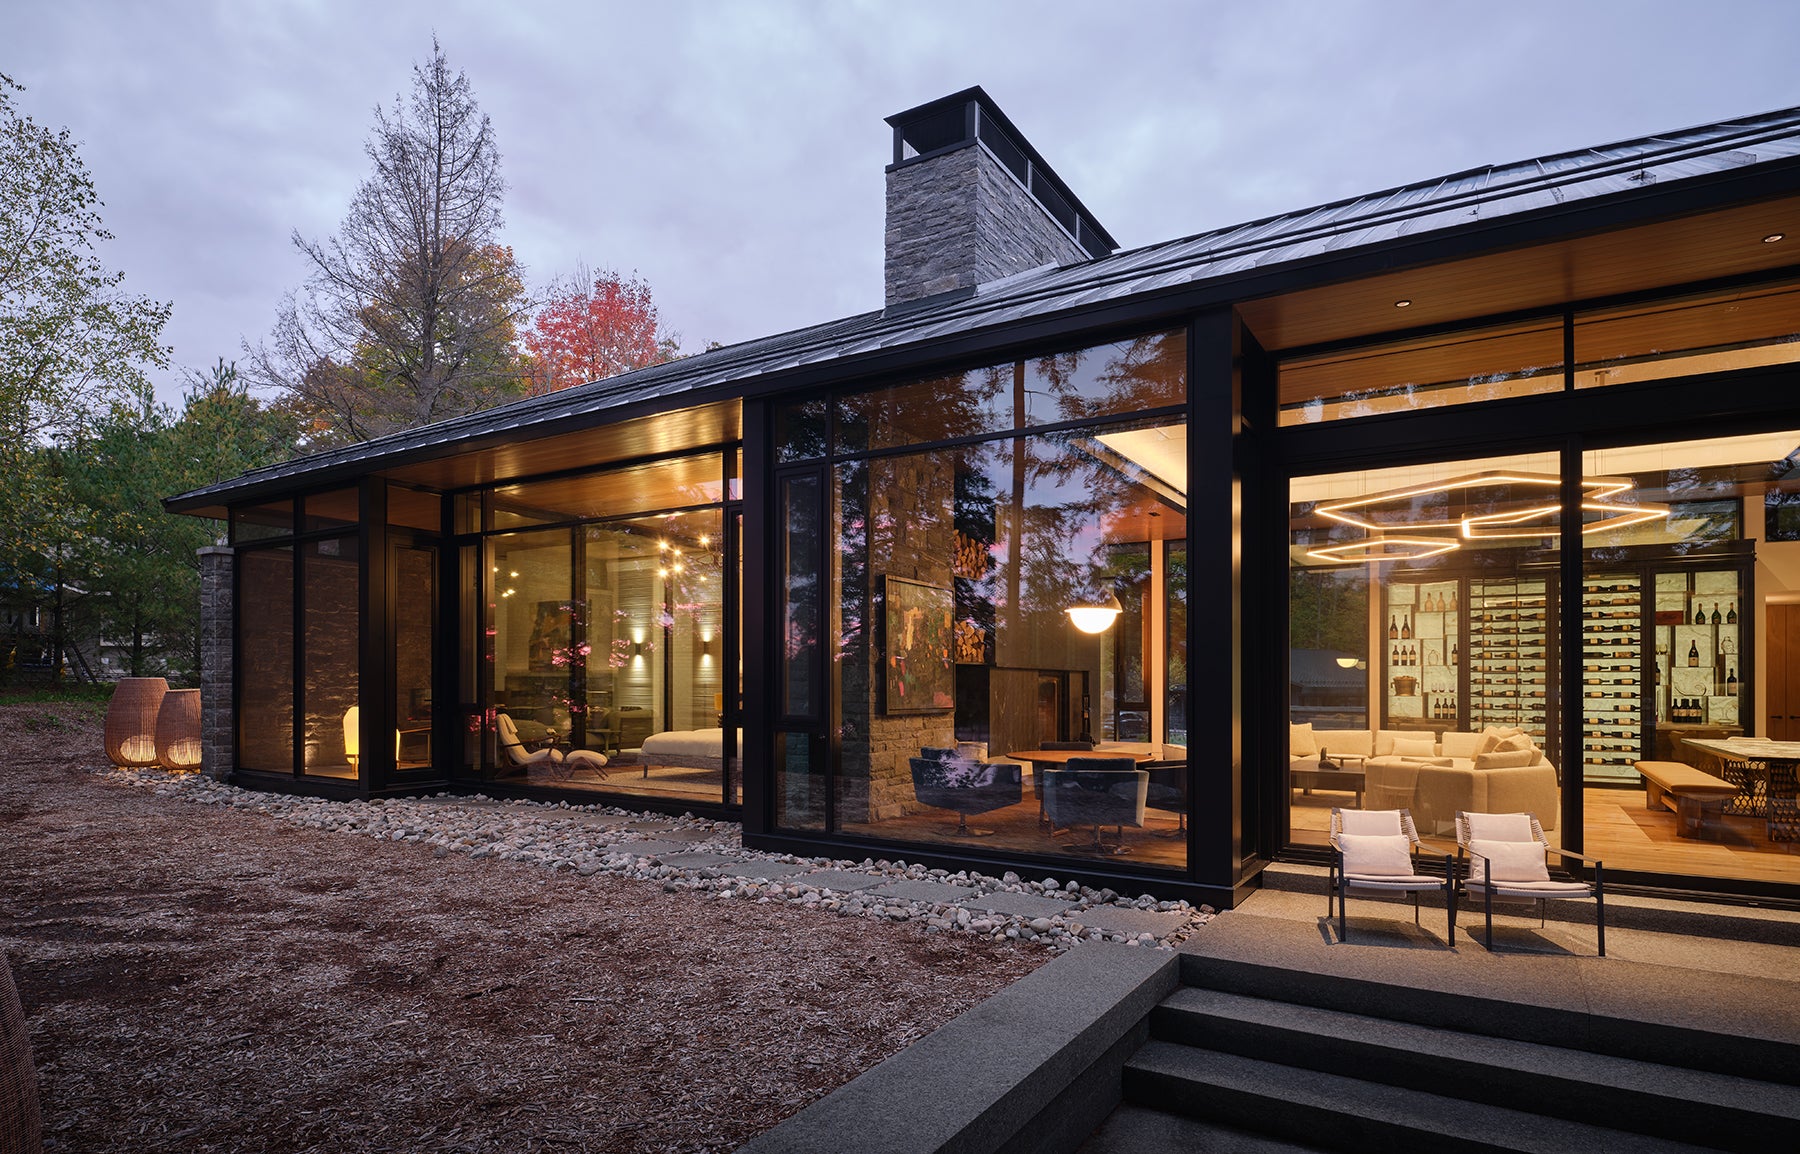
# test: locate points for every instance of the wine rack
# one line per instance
(1612, 678)
(1509, 654)
(1699, 669)
(1423, 648)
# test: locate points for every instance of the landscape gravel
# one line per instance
(594, 839)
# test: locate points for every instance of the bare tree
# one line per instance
(410, 313)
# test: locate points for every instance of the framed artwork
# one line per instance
(551, 635)
(916, 668)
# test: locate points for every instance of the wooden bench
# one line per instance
(1692, 793)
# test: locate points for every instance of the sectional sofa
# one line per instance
(1437, 774)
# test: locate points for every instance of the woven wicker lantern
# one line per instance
(131, 720)
(178, 730)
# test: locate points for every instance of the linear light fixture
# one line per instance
(1362, 511)
(1502, 526)
(1383, 549)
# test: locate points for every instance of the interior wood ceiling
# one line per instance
(1664, 254)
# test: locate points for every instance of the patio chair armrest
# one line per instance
(1569, 853)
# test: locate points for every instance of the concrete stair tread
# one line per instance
(1138, 1130)
(1369, 1115)
(1453, 1051)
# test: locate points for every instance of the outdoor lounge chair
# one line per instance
(1377, 849)
(1510, 848)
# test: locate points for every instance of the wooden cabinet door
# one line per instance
(1783, 690)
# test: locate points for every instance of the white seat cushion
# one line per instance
(1537, 889)
(1393, 882)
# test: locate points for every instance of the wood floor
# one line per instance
(1623, 834)
(1160, 842)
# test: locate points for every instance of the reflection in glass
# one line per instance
(1744, 329)
(955, 650)
(331, 656)
(1513, 360)
(265, 659)
(415, 647)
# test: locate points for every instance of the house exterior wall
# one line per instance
(218, 726)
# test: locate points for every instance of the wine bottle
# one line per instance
(1715, 617)
(1699, 614)
(1693, 655)
(1453, 653)
(1393, 628)
(1406, 627)
(1731, 682)
(1731, 614)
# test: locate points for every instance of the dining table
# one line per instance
(1750, 763)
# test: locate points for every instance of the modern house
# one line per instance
(1511, 449)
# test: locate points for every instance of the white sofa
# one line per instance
(1435, 775)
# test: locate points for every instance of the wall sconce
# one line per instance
(1346, 663)
(637, 650)
(1096, 616)
(706, 648)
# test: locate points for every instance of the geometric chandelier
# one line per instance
(1497, 505)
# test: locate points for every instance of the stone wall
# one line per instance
(217, 720)
(961, 219)
(909, 534)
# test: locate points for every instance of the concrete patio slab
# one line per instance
(1118, 920)
(916, 891)
(1018, 905)
(843, 881)
(703, 860)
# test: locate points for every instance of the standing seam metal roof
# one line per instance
(1358, 222)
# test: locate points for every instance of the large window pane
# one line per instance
(1704, 334)
(1513, 360)
(265, 659)
(672, 484)
(331, 660)
(415, 648)
(1688, 660)
(959, 667)
(1422, 615)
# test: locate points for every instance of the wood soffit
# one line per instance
(1590, 267)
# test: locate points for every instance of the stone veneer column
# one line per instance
(218, 722)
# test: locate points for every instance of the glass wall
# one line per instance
(1423, 643)
(265, 659)
(331, 657)
(604, 655)
(1688, 607)
(961, 683)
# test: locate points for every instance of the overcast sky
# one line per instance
(731, 154)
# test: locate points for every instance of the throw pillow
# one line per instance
(1376, 855)
(972, 750)
(1301, 742)
(1500, 826)
(1512, 744)
(1415, 747)
(1513, 861)
(1456, 744)
(1493, 736)
(1505, 759)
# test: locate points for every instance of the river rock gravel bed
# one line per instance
(589, 840)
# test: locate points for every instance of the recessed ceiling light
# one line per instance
(1403, 303)
(1774, 237)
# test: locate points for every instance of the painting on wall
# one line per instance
(917, 671)
(551, 634)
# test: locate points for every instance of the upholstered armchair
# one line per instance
(944, 781)
(1506, 859)
(1377, 850)
(1097, 791)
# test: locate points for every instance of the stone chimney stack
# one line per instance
(970, 201)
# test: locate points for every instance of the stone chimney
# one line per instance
(970, 201)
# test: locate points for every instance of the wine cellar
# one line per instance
(1662, 653)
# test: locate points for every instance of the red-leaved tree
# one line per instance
(598, 325)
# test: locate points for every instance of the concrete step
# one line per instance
(1621, 1093)
(1340, 1113)
(1136, 1130)
(1723, 1023)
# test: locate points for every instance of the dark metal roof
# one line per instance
(1365, 222)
